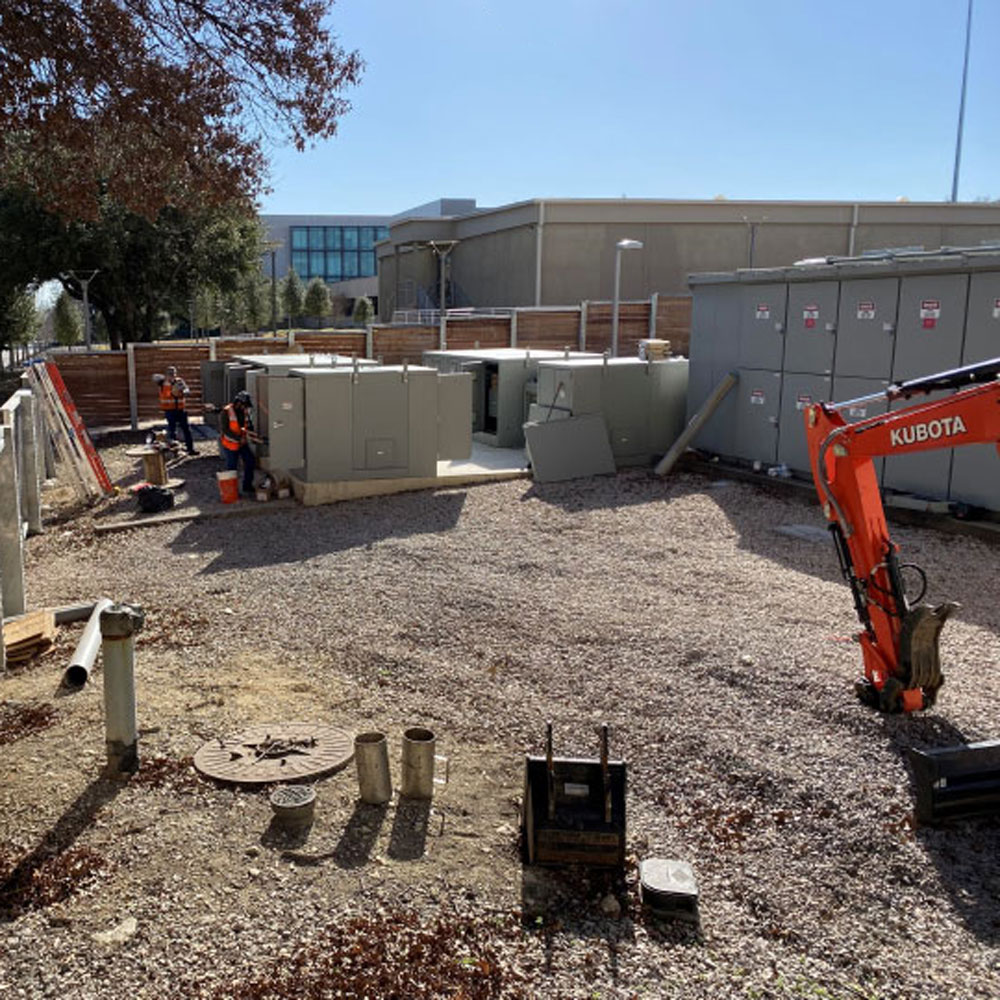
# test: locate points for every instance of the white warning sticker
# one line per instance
(866, 309)
(803, 401)
(763, 311)
(996, 308)
(757, 397)
(930, 312)
(810, 314)
(857, 412)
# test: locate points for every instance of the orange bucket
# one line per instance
(229, 491)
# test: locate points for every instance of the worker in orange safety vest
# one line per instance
(236, 432)
(172, 390)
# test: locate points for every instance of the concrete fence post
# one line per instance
(133, 392)
(212, 342)
(11, 537)
(369, 341)
(583, 326)
(654, 305)
(513, 328)
(31, 485)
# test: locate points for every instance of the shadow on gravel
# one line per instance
(409, 829)
(354, 848)
(52, 871)
(301, 534)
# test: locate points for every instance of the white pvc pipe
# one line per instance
(85, 653)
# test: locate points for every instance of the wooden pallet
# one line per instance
(29, 635)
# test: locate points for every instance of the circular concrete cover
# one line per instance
(279, 751)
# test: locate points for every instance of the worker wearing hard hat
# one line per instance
(236, 433)
(173, 390)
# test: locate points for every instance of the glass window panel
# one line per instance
(316, 238)
(367, 263)
(300, 238)
(300, 262)
(382, 233)
(367, 237)
(350, 237)
(350, 265)
(333, 271)
(333, 237)
(317, 265)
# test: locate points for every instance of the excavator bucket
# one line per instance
(918, 647)
(959, 782)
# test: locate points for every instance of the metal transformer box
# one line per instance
(502, 390)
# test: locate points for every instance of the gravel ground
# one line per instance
(713, 642)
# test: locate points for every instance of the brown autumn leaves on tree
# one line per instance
(156, 102)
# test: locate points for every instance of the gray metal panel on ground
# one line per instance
(798, 392)
(379, 419)
(866, 327)
(758, 395)
(281, 421)
(931, 325)
(848, 388)
(762, 326)
(569, 449)
(454, 406)
(812, 325)
(982, 324)
(213, 382)
(924, 473)
(627, 392)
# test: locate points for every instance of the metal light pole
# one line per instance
(619, 247)
(961, 105)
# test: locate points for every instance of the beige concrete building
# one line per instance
(562, 251)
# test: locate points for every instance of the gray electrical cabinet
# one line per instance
(762, 326)
(931, 324)
(866, 328)
(887, 316)
(975, 469)
(758, 409)
(280, 423)
(848, 388)
(797, 393)
(503, 387)
(380, 423)
(642, 402)
(811, 327)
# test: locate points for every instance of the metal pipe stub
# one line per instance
(119, 625)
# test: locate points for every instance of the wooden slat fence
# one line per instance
(99, 380)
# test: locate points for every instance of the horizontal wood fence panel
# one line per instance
(98, 383)
(396, 344)
(484, 331)
(155, 359)
(351, 343)
(548, 330)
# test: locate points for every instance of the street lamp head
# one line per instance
(629, 244)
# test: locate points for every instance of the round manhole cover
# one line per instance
(281, 751)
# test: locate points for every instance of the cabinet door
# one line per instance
(758, 409)
(283, 422)
(812, 325)
(762, 326)
(866, 328)
(931, 325)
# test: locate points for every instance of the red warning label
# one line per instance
(930, 313)
(866, 309)
(810, 314)
(763, 311)
(757, 397)
(802, 402)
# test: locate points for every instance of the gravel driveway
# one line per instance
(705, 620)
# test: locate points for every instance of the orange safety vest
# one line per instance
(168, 401)
(233, 433)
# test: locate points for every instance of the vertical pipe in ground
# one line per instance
(119, 625)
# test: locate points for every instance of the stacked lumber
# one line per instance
(29, 635)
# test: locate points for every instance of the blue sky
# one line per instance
(505, 100)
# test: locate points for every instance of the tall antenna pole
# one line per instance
(961, 106)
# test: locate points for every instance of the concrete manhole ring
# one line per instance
(279, 751)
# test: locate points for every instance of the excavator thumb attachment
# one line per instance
(959, 782)
(918, 649)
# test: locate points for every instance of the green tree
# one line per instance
(363, 311)
(292, 296)
(257, 302)
(67, 321)
(317, 300)
(143, 267)
(19, 319)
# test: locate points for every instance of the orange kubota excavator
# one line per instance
(899, 638)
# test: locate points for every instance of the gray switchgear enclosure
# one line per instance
(642, 402)
(502, 388)
(864, 322)
(381, 423)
